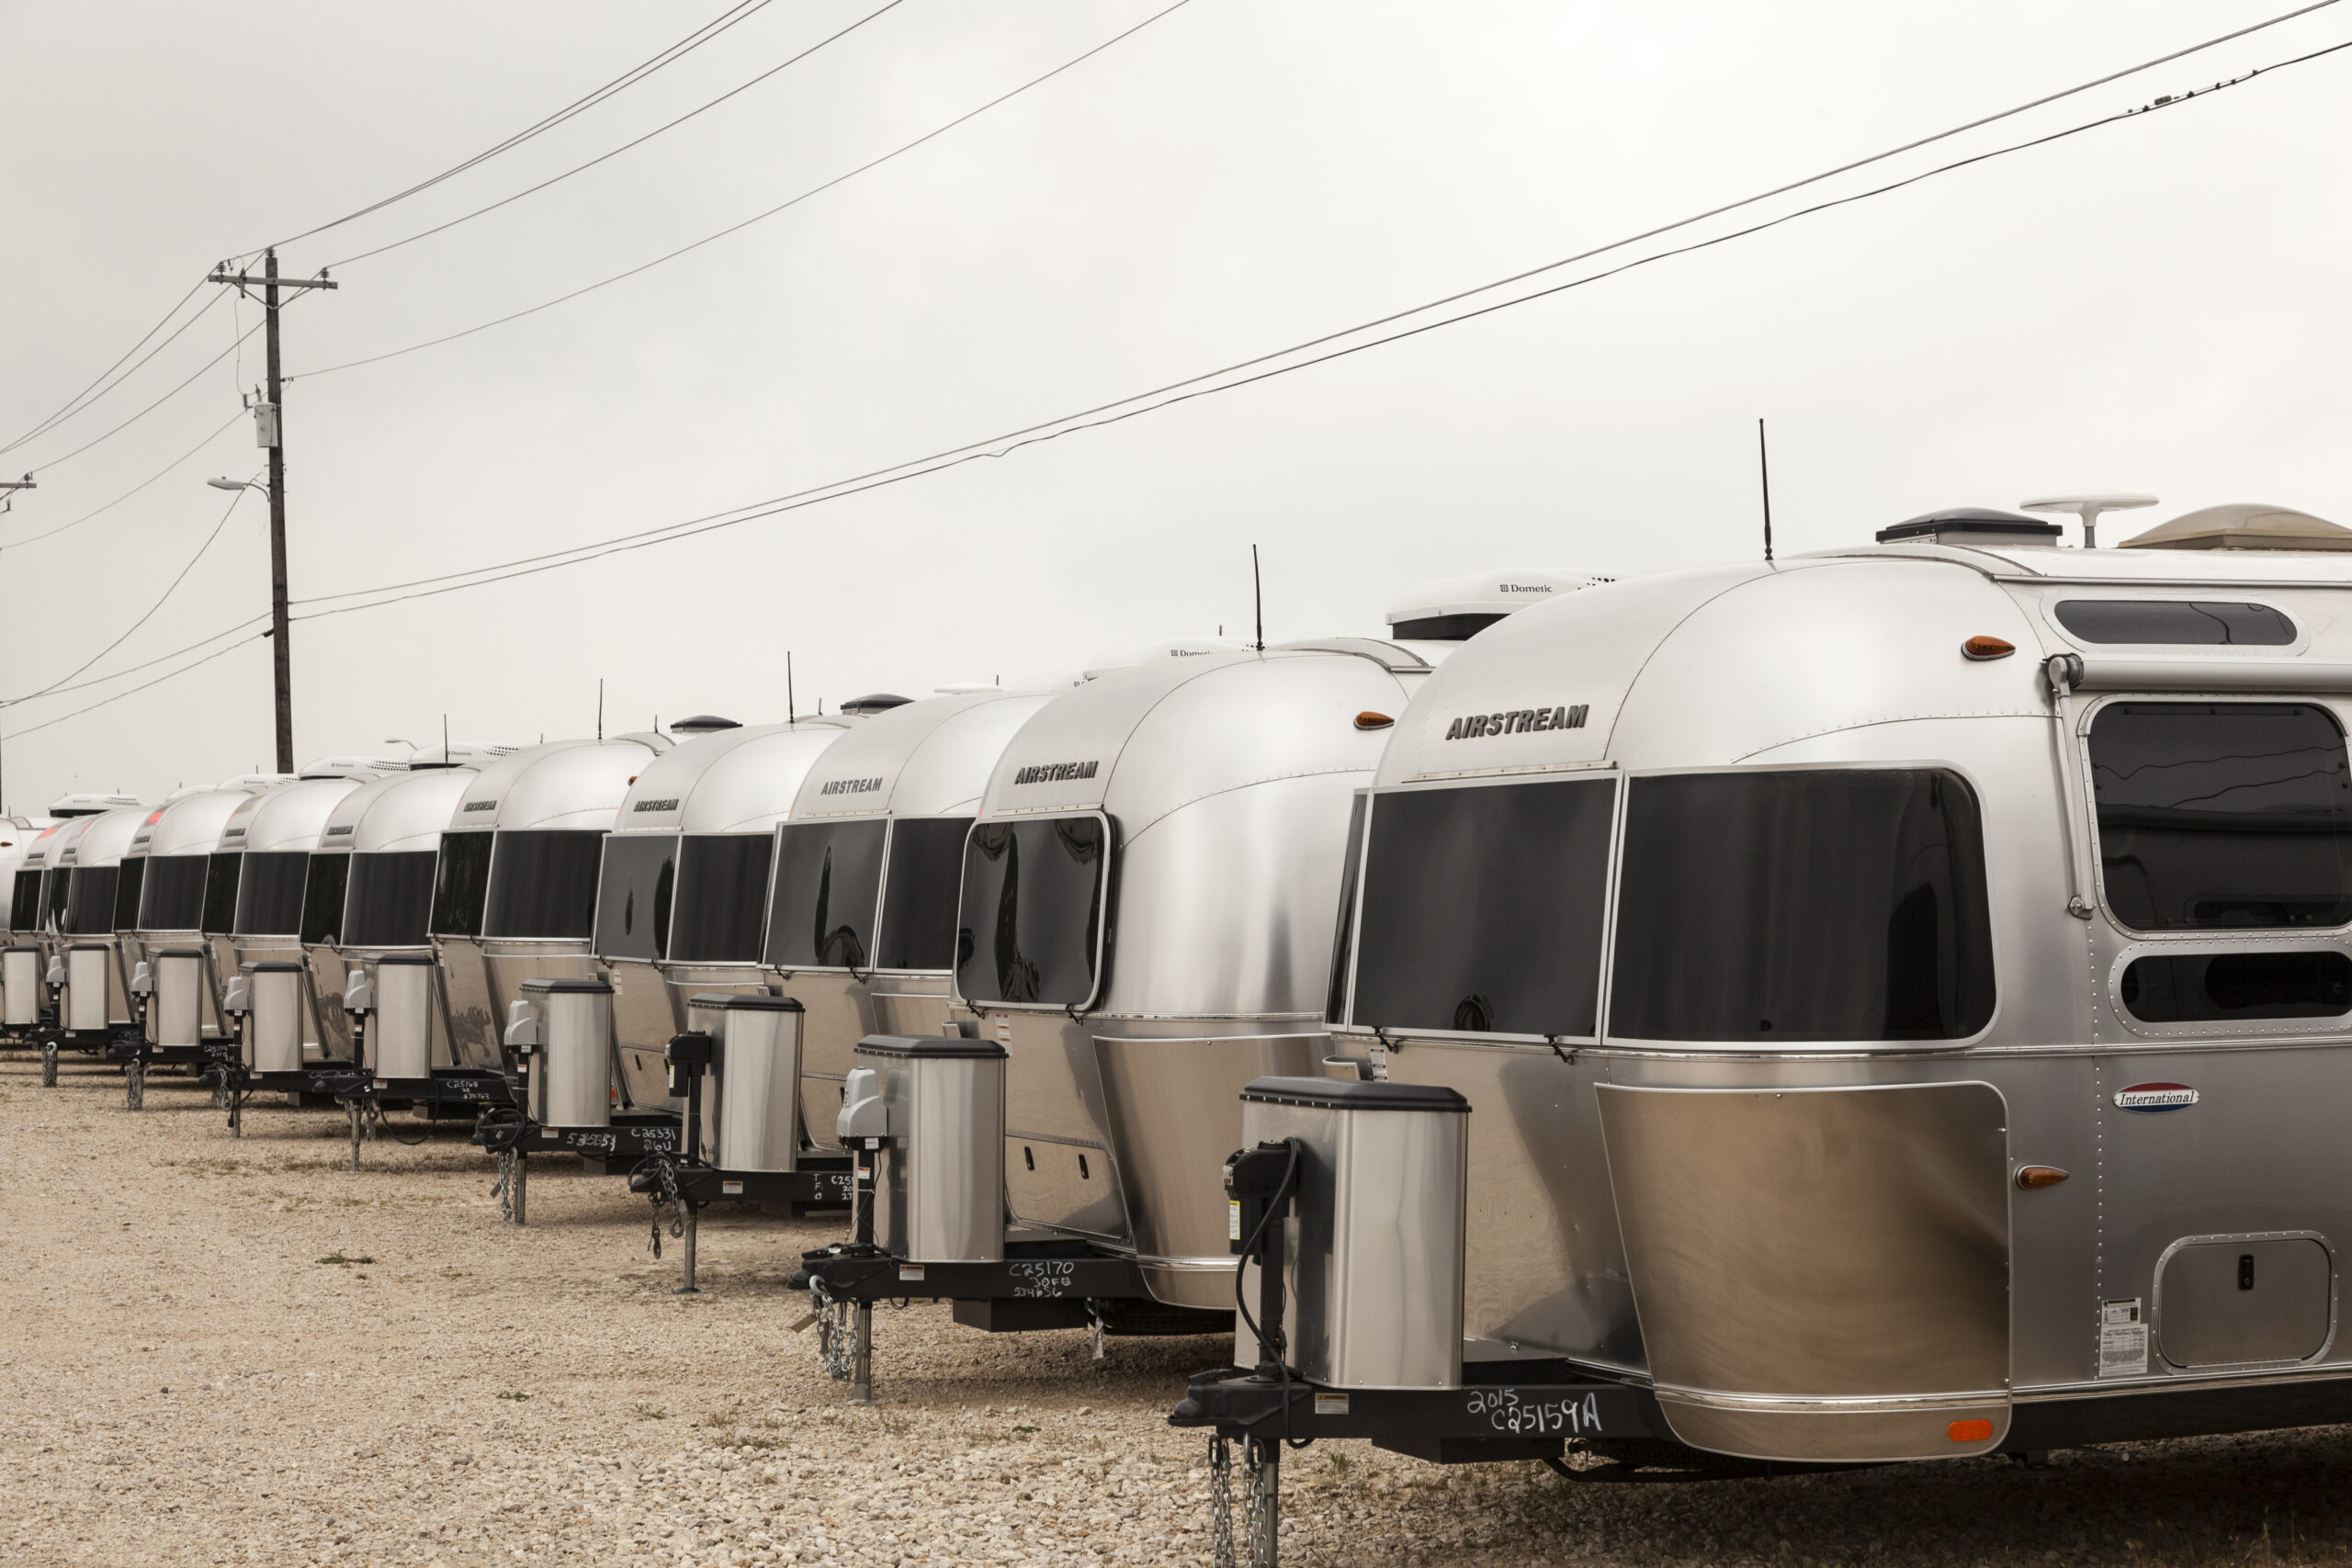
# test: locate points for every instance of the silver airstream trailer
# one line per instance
(1144, 926)
(94, 1006)
(680, 896)
(264, 880)
(32, 938)
(174, 981)
(20, 1011)
(861, 927)
(514, 896)
(365, 947)
(1889, 1004)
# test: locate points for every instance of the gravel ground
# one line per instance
(240, 1352)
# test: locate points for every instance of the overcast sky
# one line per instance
(2159, 305)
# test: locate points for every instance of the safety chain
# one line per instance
(836, 1341)
(1220, 1500)
(1255, 1502)
(504, 1187)
(665, 1195)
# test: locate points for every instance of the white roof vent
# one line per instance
(351, 768)
(2243, 525)
(460, 754)
(1452, 609)
(1161, 651)
(89, 805)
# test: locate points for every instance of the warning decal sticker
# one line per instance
(2122, 1340)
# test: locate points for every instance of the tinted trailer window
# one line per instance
(89, 905)
(173, 899)
(919, 894)
(723, 893)
(392, 899)
(324, 886)
(223, 873)
(1804, 905)
(633, 895)
(461, 884)
(269, 893)
(1483, 908)
(54, 890)
(543, 885)
(2221, 816)
(130, 877)
(827, 882)
(24, 902)
(1029, 928)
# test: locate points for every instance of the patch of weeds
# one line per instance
(1023, 1431)
(208, 1165)
(1339, 1463)
(341, 1262)
(644, 1412)
(454, 1274)
(512, 1394)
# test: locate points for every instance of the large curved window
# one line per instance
(828, 883)
(130, 877)
(24, 902)
(173, 899)
(1029, 928)
(1802, 904)
(2223, 815)
(391, 897)
(222, 874)
(269, 893)
(461, 884)
(919, 894)
(89, 904)
(722, 893)
(543, 885)
(324, 886)
(633, 893)
(1483, 908)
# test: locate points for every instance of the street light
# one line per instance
(238, 484)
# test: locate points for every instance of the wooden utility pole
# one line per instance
(269, 431)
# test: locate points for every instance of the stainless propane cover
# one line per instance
(274, 1026)
(19, 987)
(939, 1181)
(87, 964)
(571, 1071)
(176, 1011)
(400, 1035)
(1374, 1238)
(751, 1112)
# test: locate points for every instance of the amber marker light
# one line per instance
(1370, 720)
(1970, 1431)
(2030, 1177)
(1983, 648)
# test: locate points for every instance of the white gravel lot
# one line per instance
(188, 1380)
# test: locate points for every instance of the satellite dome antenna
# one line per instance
(2088, 505)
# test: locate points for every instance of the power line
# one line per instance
(1226, 378)
(758, 217)
(145, 663)
(626, 79)
(92, 393)
(106, 702)
(134, 490)
(150, 408)
(143, 619)
(602, 157)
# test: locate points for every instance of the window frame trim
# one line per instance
(874, 929)
(1108, 885)
(2190, 944)
(2090, 712)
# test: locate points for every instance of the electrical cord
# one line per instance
(1279, 1350)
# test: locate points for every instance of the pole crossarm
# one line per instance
(242, 279)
